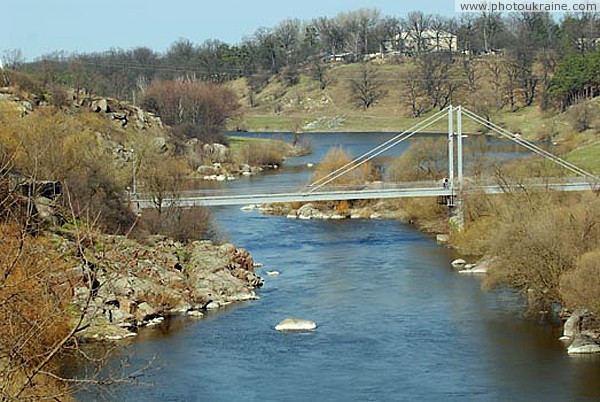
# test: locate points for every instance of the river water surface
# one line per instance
(395, 323)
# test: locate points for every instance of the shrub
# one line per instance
(538, 240)
(581, 287)
(335, 159)
(188, 130)
(580, 116)
(425, 159)
(182, 224)
(261, 152)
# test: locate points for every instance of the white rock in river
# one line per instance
(296, 324)
(458, 263)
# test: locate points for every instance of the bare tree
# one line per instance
(320, 74)
(416, 95)
(367, 89)
(416, 24)
(493, 66)
(12, 58)
(438, 80)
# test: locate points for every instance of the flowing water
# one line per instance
(395, 323)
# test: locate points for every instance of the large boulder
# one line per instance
(580, 320)
(216, 152)
(583, 344)
(100, 105)
(308, 211)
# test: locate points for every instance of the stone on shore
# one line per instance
(296, 324)
(580, 320)
(473, 269)
(583, 344)
(459, 262)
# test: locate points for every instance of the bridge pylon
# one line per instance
(455, 165)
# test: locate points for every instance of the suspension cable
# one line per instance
(531, 146)
(377, 150)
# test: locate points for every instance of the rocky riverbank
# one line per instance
(331, 211)
(124, 285)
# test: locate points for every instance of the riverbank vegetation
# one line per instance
(67, 172)
(544, 243)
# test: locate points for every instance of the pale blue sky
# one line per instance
(39, 27)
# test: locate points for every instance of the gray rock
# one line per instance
(308, 211)
(100, 105)
(577, 323)
(296, 324)
(442, 238)
(583, 344)
(459, 262)
(206, 170)
(145, 311)
(160, 143)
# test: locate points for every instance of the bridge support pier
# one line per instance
(456, 217)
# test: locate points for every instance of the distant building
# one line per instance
(339, 57)
(412, 42)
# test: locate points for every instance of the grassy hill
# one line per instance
(305, 107)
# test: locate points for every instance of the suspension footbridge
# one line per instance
(451, 191)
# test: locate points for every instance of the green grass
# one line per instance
(285, 109)
(586, 157)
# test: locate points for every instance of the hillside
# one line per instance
(279, 106)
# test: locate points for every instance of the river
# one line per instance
(395, 322)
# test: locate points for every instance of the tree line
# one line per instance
(542, 55)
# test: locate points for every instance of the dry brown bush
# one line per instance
(539, 238)
(425, 159)
(337, 158)
(262, 153)
(34, 322)
(580, 287)
(204, 105)
(182, 224)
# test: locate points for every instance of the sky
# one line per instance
(39, 27)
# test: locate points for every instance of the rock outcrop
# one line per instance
(129, 285)
(579, 330)
(579, 321)
(583, 344)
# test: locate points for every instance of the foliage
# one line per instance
(576, 78)
(538, 240)
(35, 322)
(580, 115)
(52, 145)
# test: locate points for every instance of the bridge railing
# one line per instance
(282, 189)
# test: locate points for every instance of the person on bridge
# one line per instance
(445, 183)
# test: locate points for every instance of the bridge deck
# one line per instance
(371, 191)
